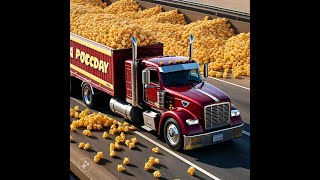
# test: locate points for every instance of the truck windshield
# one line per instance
(181, 77)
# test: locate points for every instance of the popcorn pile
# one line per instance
(215, 41)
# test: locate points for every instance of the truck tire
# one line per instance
(87, 96)
(173, 134)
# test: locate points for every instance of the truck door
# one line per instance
(154, 86)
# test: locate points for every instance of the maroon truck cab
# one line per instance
(164, 93)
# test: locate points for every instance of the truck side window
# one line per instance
(154, 76)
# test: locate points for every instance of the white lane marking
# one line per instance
(245, 132)
(176, 155)
(229, 83)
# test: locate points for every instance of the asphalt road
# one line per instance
(138, 156)
(229, 160)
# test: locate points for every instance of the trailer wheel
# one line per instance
(87, 95)
(173, 134)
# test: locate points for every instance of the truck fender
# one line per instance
(89, 85)
(180, 115)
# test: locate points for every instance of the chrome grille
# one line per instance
(217, 115)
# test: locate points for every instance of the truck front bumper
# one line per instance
(206, 139)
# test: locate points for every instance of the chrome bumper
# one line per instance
(206, 139)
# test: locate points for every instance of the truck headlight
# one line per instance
(192, 121)
(235, 113)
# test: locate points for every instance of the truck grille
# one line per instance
(217, 115)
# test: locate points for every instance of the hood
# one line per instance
(201, 94)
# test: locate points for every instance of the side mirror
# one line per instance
(205, 70)
(146, 77)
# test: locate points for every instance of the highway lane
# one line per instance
(226, 161)
(138, 156)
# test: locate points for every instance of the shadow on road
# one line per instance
(231, 154)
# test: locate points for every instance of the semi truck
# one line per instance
(162, 93)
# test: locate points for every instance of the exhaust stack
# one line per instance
(191, 47)
(134, 73)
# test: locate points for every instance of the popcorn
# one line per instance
(156, 161)
(126, 129)
(131, 145)
(112, 147)
(132, 128)
(113, 126)
(76, 108)
(126, 124)
(100, 154)
(107, 124)
(121, 168)
(127, 142)
(120, 129)
(155, 150)
(191, 170)
(71, 112)
(81, 145)
(147, 166)
(73, 127)
(99, 127)
(134, 140)
(151, 160)
(94, 126)
(112, 153)
(157, 174)
(118, 139)
(86, 146)
(216, 42)
(105, 135)
(96, 158)
(122, 135)
(87, 133)
(111, 131)
(126, 160)
(89, 127)
(116, 145)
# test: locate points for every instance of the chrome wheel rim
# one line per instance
(173, 135)
(87, 95)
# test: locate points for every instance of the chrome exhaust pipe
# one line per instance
(191, 47)
(134, 76)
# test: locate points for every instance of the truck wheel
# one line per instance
(87, 95)
(173, 134)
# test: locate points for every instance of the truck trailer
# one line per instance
(166, 94)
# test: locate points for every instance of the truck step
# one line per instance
(147, 128)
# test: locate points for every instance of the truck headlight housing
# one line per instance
(235, 113)
(192, 121)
